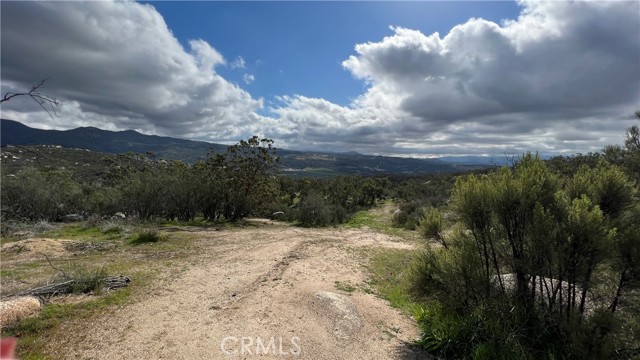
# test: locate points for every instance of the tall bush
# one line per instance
(533, 253)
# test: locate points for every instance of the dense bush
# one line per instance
(33, 195)
(408, 215)
(432, 225)
(314, 211)
(536, 267)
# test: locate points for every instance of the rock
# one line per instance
(14, 310)
(119, 215)
(72, 218)
(544, 293)
(347, 322)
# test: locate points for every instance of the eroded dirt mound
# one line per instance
(33, 246)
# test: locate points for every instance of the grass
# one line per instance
(13, 231)
(33, 332)
(146, 236)
(345, 286)
(42, 336)
(364, 218)
(79, 231)
(391, 276)
(379, 219)
(200, 222)
(390, 269)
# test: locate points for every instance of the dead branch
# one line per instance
(36, 96)
(66, 287)
(55, 268)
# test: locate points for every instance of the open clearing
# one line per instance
(238, 288)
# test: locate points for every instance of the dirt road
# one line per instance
(270, 290)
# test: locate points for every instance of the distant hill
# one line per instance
(294, 163)
(477, 160)
(115, 142)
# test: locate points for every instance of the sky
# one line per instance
(414, 78)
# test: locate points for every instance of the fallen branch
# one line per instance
(115, 282)
(67, 287)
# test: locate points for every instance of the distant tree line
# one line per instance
(242, 182)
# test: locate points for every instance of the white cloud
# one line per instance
(248, 78)
(117, 63)
(562, 77)
(561, 67)
(238, 63)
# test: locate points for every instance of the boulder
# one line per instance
(16, 309)
(72, 218)
(347, 322)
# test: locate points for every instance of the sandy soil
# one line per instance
(32, 248)
(249, 286)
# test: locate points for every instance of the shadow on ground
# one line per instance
(410, 351)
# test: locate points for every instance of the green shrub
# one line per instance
(314, 211)
(146, 236)
(432, 225)
(533, 225)
(408, 215)
(87, 280)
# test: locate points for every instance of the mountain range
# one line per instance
(295, 163)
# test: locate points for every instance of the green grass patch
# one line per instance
(364, 218)
(40, 336)
(376, 221)
(391, 277)
(345, 286)
(80, 232)
(8, 273)
(146, 236)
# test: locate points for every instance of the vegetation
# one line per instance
(536, 260)
(242, 182)
(146, 236)
(541, 263)
(95, 249)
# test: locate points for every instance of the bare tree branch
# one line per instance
(36, 96)
(55, 268)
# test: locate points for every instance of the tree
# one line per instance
(248, 179)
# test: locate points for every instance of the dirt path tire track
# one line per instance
(256, 283)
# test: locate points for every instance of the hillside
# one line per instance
(293, 163)
(115, 142)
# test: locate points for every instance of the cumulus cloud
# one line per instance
(560, 67)
(562, 77)
(117, 63)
